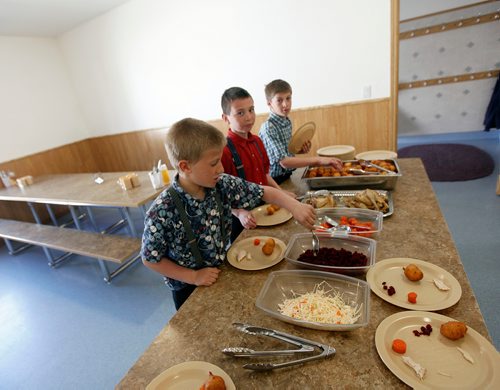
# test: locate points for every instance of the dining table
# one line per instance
(86, 190)
(202, 327)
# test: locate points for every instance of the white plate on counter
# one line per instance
(188, 375)
(258, 259)
(264, 219)
(376, 155)
(429, 297)
(446, 368)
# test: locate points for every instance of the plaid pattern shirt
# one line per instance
(276, 133)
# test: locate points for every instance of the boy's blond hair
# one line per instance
(276, 86)
(188, 138)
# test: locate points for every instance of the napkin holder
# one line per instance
(8, 178)
(129, 181)
(156, 179)
(24, 181)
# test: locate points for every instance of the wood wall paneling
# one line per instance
(364, 124)
(71, 158)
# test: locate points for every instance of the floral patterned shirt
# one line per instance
(164, 234)
(276, 133)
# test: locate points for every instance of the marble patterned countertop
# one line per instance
(202, 327)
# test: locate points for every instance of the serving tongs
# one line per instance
(305, 347)
(366, 163)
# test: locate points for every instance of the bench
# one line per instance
(113, 248)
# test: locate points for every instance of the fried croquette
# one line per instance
(413, 273)
(268, 247)
(453, 330)
(272, 208)
(214, 382)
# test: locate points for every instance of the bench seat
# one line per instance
(114, 248)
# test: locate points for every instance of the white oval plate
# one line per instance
(304, 133)
(263, 219)
(188, 375)
(259, 260)
(335, 150)
(377, 155)
(429, 297)
(438, 355)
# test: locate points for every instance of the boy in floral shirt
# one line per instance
(187, 228)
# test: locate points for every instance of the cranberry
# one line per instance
(424, 330)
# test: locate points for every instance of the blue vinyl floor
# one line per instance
(65, 328)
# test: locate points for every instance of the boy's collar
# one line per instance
(240, 135)
(278, 116)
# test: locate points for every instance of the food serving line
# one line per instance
(203, 326)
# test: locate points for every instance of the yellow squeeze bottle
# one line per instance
(164, 174)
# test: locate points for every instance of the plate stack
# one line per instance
(343, 152)
(377, 155)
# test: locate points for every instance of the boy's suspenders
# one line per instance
(187, 225)
(236, 158)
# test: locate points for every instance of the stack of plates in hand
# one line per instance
(344, 152)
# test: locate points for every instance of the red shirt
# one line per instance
(255, 163)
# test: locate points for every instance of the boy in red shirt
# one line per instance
(244, 155)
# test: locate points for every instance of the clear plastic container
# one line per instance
(287, 284)
(366, 222)
(300, 243)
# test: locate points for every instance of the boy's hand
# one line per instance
(247, 219)
(305, 214)
(205, 276)
(306, 147)
(333, 161)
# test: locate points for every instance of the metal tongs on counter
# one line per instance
(366, 163)
(305, 347)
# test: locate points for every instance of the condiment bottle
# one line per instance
(164, 174)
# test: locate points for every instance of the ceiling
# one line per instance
(49, 18)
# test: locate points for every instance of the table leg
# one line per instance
(51, 214)
(35, 214)
(74, 215)
(10, 247)
(105, 271)
(128, 217)
(90, 213)
(143, 211)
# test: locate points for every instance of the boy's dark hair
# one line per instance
(231, 94)
(276, 86)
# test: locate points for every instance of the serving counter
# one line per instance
(202, 327)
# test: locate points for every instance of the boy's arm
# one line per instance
(272, 183)
(304, 213)
(201, 277)
(299, 162)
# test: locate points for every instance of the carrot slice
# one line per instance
(412, 297)
(399, 346)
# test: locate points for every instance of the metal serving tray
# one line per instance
(386, 182)
(339, 195)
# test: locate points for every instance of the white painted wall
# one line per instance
(38, 106)
(413, 8)
(447, 108)
(151, 62)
